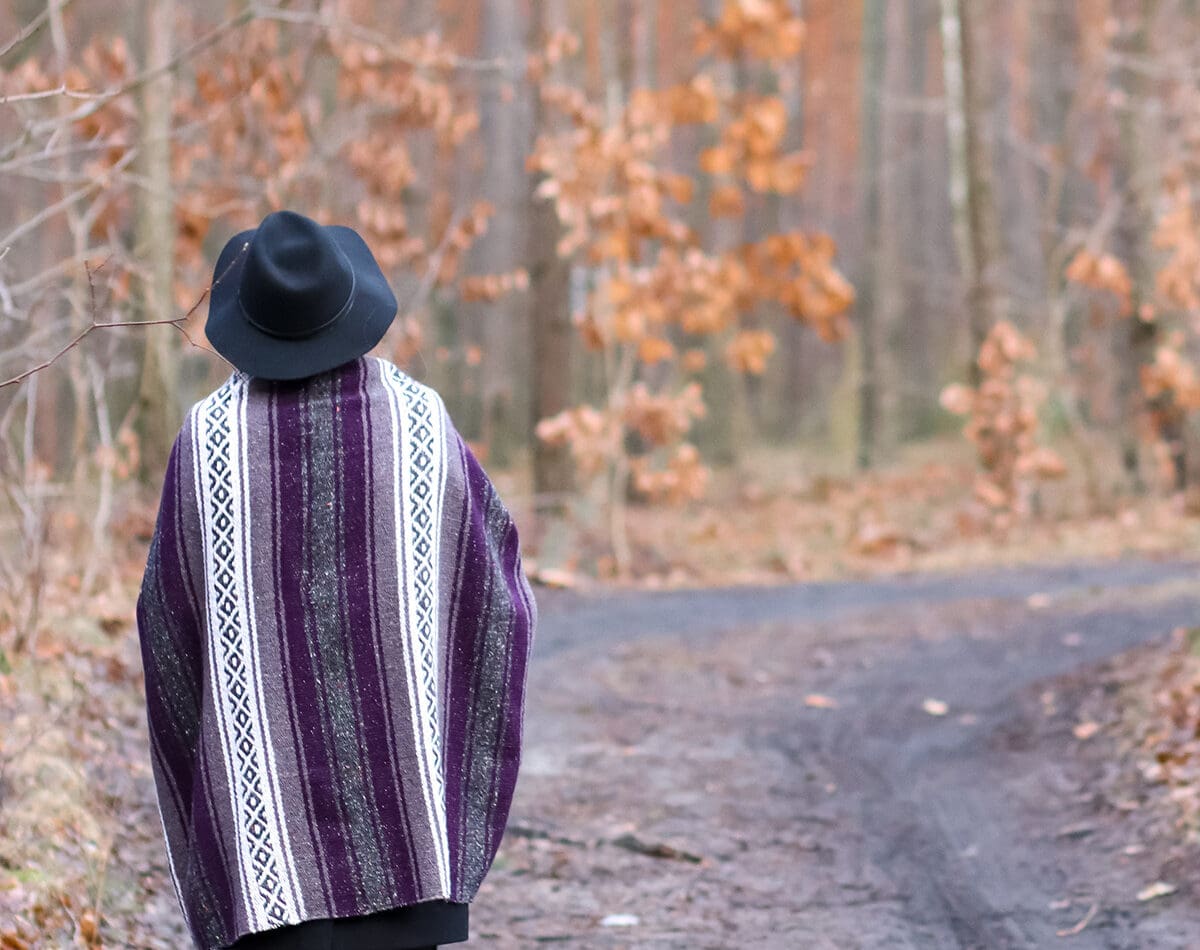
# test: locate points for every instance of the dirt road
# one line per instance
(854, 765)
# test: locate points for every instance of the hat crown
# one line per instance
(295, 279)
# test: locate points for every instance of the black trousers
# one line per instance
(416, 927)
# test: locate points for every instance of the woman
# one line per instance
(334, 624)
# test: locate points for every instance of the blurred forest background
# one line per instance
(719, 290)
(732, 288)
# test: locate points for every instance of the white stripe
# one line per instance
(433, 628)
(426, 731)
(235, 675)
(283, 852)
(201, 468)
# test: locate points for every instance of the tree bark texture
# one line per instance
(159, 398)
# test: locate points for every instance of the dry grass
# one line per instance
(787, 515)
(82, 863)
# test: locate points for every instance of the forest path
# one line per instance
(759, 767)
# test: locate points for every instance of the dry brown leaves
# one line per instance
(657, 290)
(763, 29)
(1171, 740)
(1178, 233)
(1103, 272)
(1002, 424)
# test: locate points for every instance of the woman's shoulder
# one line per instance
(393, 375)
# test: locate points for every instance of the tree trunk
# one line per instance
(918, 385)
(972, 193)
(159, 400)
(890, 291)
(716, 433)
(1137, 178)
(494, 325)
(874, 56)
(550, 319)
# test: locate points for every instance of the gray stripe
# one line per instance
(377, 877)
(323, 622)
(494, 634)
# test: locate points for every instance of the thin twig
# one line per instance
(50, 210)
(58, 92)
(140, 79)
(56, 270)
(95, 324)
(385, 43)
(1079, 927)
(104, 502)
(30, 28)
(425, 288)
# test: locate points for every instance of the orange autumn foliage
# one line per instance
(1002, 424)
(1102, 272)
(657, 292)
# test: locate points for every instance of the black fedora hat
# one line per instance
(292, 298)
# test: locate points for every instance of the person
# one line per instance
(334, 623)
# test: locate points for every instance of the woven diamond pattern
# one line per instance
(231, 646)
(421, 499)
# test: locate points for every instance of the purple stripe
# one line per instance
(170, 641)
(176, 579)
(209, 861)
(473, 629)
(508, 751)
(457, 691)
(192, 573)
(492, 612)
(454, 735)
(203, 797)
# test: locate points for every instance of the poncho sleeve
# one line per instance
(170, 618)
(490, 621)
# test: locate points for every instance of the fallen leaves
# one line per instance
(1156, 890)
(552, 577)
(620, 920)
(654, 849)
(1170, 735)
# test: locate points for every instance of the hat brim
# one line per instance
(271, 357)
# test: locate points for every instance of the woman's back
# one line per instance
(335, 629)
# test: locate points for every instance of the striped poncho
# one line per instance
(335, 628)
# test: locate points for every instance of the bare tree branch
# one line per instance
(99, 99)
(30, 28)
(57, 92)
(177, 322)
(50, 210)
(385, 43)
